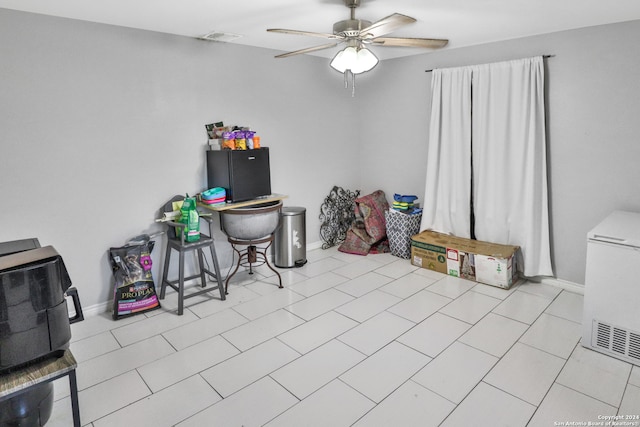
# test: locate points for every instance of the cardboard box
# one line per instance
(489, 263)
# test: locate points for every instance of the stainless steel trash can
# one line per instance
(291, 238)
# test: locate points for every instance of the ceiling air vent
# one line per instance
(616, 340)
(217, 36)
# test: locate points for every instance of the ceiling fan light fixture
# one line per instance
(337, 63)
(344, 59)
(366, 61)
(356, 60)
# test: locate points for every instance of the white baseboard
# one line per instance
(576, 288)
(314, 245)
(105, 307)
(96, 309)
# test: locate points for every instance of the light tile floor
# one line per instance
(350, 340)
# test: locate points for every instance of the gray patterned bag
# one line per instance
(400, 227)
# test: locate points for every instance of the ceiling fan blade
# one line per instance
(386, 25)
(304, 33)
(307, 50)
(410, 42)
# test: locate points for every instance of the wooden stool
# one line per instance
(45, 371)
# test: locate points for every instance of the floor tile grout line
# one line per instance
(468, 393)
(395, 389)
(513, 320)
(499, 359)
(512, 395)
(584, 394)
(360, 393)
(545, 351)
(552, 384)
(334, 309)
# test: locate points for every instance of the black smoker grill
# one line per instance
(34, 322)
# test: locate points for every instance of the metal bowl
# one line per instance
(251, 222)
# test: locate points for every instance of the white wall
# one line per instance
(593, 105)
(100, 124)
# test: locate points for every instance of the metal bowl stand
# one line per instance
(253, 255)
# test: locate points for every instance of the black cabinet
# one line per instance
(244, 174)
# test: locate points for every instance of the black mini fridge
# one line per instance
(244, 174)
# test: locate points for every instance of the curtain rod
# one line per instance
(543, 56)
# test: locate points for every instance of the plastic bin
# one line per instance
(291, 238)
(400, 227)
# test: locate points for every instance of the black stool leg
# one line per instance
(203, 277)
(75, 408)
(181, 284)
(216, 269)
(165, 272)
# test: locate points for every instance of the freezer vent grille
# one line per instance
(602, 335)
(634, 346)
(617, 340)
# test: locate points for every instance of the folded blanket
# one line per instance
(368, 233)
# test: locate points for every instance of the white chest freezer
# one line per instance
(611, 319)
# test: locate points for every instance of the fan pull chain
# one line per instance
(353, 82)
(353, 85)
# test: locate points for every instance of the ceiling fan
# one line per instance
(358, 34)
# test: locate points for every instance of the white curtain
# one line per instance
(509, 184)
(510, 160)
(446, 203)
